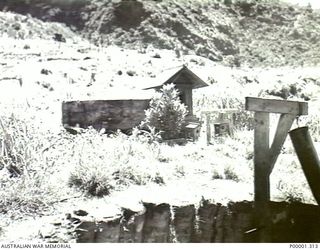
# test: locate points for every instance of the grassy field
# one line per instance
(101, 173)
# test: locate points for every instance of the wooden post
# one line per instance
(308, 158)
(265, 156)
(261, 157)
(261, 174)
(208, 128)
(221, 116)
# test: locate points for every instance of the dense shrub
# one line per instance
(166, 113)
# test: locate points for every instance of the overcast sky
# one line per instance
(314, 3)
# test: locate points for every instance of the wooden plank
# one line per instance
(108, 231)
(261, 174)
(131, 226)
(284, 125)
(86, 232)
(183, 223)
(276, 106)
(156, 228)
(261, 156)
(226, 111)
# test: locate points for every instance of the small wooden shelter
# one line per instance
(185, 81)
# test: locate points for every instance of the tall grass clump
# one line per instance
(103, 163)
(24, 170)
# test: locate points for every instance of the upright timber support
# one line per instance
(261, 156)
(208, 126)
(308, 158)
(265, 156)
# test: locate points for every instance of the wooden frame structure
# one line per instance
(221, 113)
(265, 156)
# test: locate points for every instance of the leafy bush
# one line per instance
(166, 113)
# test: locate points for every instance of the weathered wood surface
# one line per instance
(261, 157)
(108, 231)
(284, 125)
(86, 232)
(107, 114)
(184, 219)
(131, 226)
(265, 156)
(207, 229)
(157, 220)
(276, 106)
(295, 222)
(308, 158)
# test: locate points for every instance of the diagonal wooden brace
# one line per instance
(284, 125)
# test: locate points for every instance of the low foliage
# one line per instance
(104, 163)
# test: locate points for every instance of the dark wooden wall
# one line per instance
(209, 223)
(108, 114)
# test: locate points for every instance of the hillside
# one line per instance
(252, 33)
(59, 50)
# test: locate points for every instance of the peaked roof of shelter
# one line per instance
(182, 76)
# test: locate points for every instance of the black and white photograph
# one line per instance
(159, 121)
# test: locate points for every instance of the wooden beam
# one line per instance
(226, 111)
(284, 125)
(261, 156)
(276, 106)
(261, 175)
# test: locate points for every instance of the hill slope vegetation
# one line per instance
(253, 33)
